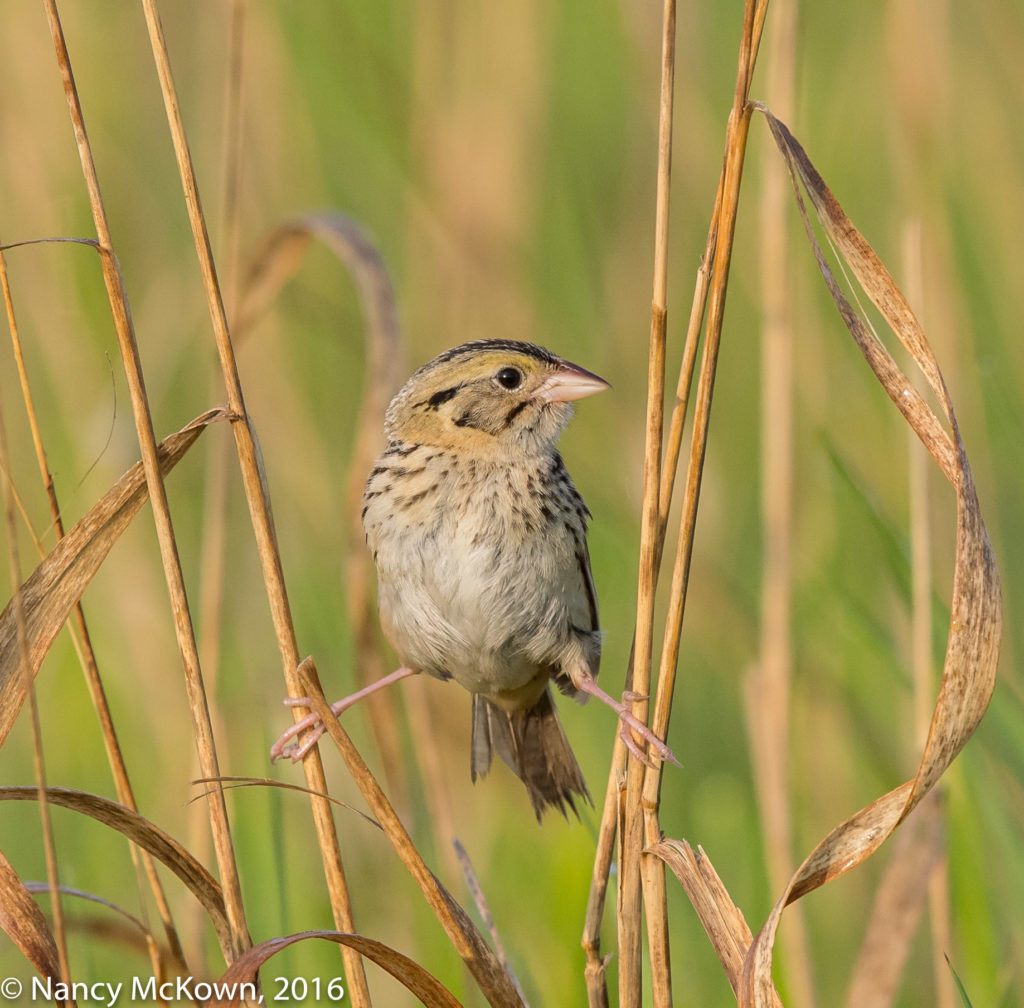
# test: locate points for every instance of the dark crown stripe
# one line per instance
(512, 346)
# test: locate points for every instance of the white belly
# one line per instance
(483, 612)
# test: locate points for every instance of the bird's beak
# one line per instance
(569, 383)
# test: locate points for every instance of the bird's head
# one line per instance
(490, 396)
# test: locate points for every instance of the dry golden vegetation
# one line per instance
(228, 233)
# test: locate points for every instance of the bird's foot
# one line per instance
(631, 725)
(288, 744)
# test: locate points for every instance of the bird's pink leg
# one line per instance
(296, 750)
(630, 724)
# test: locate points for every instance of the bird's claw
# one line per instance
(626, 734)
(288, 745)
(632, 724)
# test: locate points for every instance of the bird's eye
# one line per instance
(510, 378)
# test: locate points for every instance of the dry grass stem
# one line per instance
(630, 908)
(649, 779)
(640, 822)
(722, 229)
(22, 673)
(80, 633)
(608, 829)
(480, 960)
(767, 687)
(184, 629)
(258, 498)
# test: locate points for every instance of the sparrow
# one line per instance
(479, 537)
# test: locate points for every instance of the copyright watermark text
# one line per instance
(277, 990)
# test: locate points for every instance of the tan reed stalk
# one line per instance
(714, 268)
(922, 656)
(14, 569)
(117, 297)
(611, 815)
(278, 258)
(484, 910)
(142, 861)
(212, 558)
(630, 908)
(419, 707)
(723, 228)
(495, 983)
(767, 688)
(257, 495)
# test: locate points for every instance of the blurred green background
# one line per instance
(503, 159)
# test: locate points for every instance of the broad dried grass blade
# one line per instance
(972, 649)
(63, 575)
(140, 830)
(723, 921)
(430, 991)
(24, 923)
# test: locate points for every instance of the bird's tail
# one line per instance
(534, 745)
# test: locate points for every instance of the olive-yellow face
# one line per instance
(490, 396)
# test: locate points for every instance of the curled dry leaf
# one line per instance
(972, 650)
(24, 923)
(410, 974)
(141, 831)
(62, 576)
(275, 263)
(277, 260)
(722, 920)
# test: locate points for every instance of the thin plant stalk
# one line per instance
(14, 568)
(724, 228)
(595, 963)
(82, 642)
(630, 910)
(212, 558)
(184, 629)
(922, 656)
(495, 983)
(713, 271)
(768, 692)
(257, 495)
